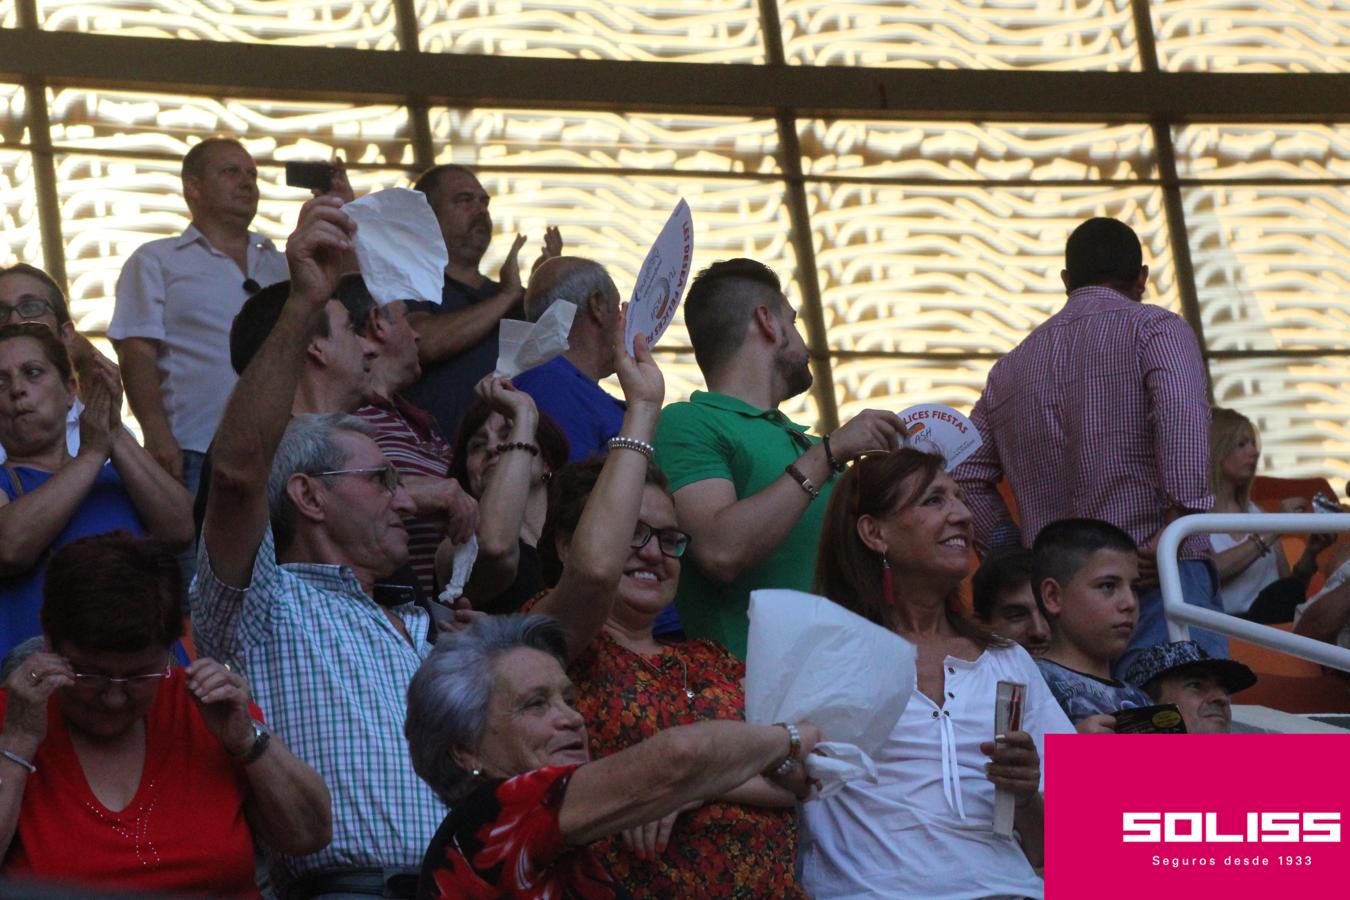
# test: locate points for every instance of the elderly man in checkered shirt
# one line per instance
(302, 519)
(1102, 412)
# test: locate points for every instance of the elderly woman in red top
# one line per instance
(119, 770)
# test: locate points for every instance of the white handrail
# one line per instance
(1180, 614)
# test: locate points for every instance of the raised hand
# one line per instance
(341, 186)
(510, 274)
(504, 397)
(639, 376)
(222, 697)
(316, 249)
(29, 687)
(553, 246)
(96, 429)
(871, 429)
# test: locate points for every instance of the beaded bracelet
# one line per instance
(620, 442)
(532, 449)
(794, 751)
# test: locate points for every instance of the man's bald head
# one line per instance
(572, 279)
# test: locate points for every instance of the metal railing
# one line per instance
(1180, 615)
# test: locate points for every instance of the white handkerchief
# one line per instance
(399, 246)
(523, 345)
(812, 659)
(466, 555)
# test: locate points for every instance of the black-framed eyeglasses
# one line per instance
(28, 308)
(672, 541)
(388, 476)
(97, 684)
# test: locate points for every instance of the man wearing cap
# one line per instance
(1200, 686)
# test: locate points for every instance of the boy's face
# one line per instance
(1097, 609)
(1016, 617)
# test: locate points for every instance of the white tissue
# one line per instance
(523, 345)
(399, 246)
(812, 659)
(466, 555)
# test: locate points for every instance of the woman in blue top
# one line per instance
(49, 498)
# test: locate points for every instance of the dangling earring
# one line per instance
(477, 773)
(887, 582)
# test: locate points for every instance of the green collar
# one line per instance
(741, 408)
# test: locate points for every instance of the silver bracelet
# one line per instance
(620, 442)
(18, 760)
(794, 751)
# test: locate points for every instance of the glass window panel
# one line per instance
(1276, 152)
(1272, 265)
(889, 383)
(13, 123)
(1298, 406)
(993, 151)
(677, 141)
(1074, 35)
(1252, 35)
(366, 24)
(112, 205)
(154, 124)
(707, 31)
(22, 239)
(614, 219)
(961, 269)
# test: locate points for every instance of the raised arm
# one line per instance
(288, 804)
(600, 544)
(161, 500)
(448, 334)
(505, 491)
(731, 536)
(260, 405)
(27, 691)
(678, 766)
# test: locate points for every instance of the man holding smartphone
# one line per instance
(176, 298)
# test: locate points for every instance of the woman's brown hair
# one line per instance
(847, 570)
(51, 345)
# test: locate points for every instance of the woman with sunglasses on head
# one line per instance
(895, 549)
(119, 770)
(631, 686)
(48, 497)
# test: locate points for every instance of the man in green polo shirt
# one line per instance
(750, 485)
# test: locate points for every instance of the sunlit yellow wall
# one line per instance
(936, 245)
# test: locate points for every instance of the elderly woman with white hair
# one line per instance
(492, 728)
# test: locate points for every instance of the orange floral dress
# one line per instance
(719, 849)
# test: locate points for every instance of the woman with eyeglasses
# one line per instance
(48, 497)
(120, 771)
(630, 686)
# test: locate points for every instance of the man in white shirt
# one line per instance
(176, 298)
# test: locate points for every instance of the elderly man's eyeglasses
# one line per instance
(97, 684)
(672, 541)
(28, 308)
(388, 476)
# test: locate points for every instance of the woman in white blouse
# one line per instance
(1255, 578)
(895, 549)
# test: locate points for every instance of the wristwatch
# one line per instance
(261, 738)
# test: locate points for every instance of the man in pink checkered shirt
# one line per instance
(1102, 412)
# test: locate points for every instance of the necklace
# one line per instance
(661, 670)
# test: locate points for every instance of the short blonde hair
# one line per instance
(1225, 433)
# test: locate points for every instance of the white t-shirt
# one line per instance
(72, 430)
(926, 828)
(185, 293)
(1239, 592)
